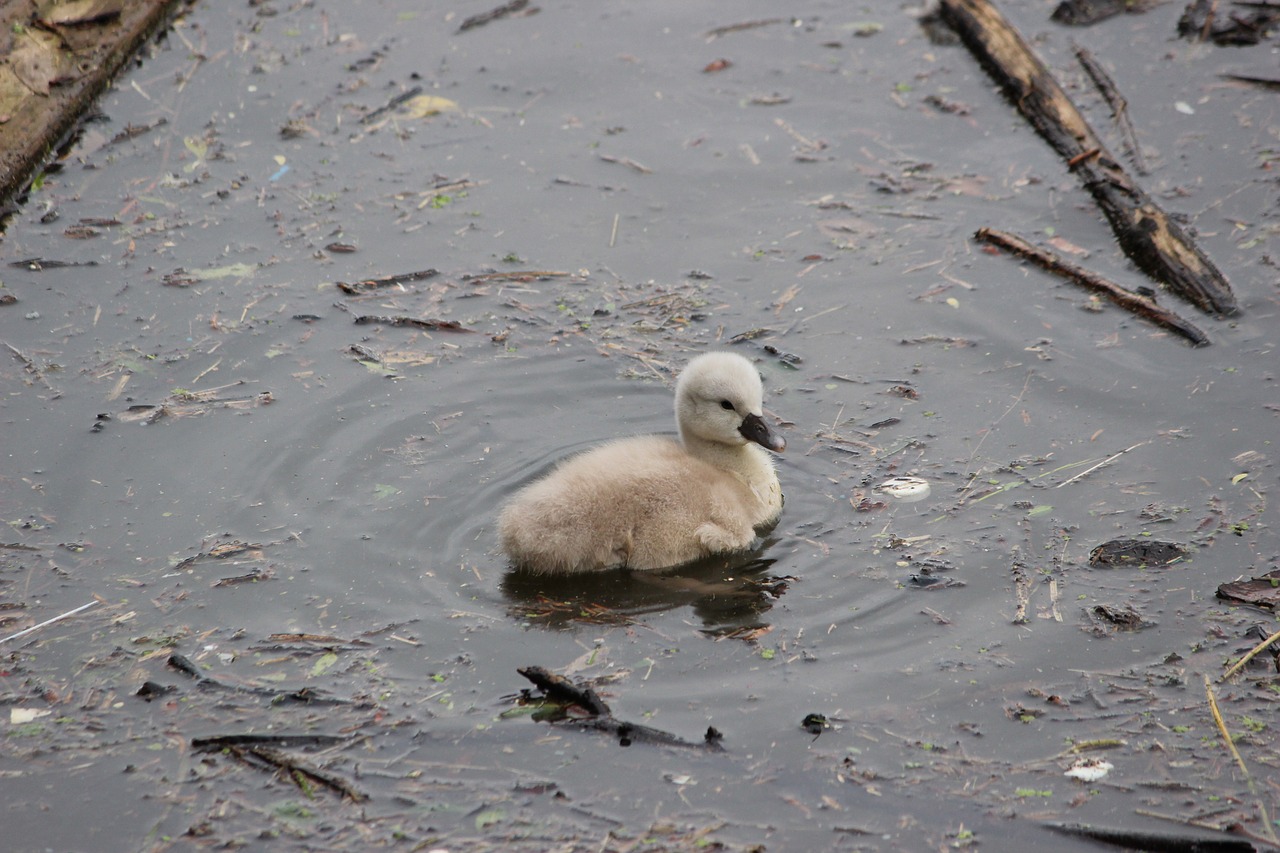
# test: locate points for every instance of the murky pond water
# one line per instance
(309, 502)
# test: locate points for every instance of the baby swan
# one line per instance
(650, 502)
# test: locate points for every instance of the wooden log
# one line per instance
(80, 53)
(1153, 241)
(1143, 306)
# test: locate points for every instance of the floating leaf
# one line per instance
(199, 148)
(488, 818)
(229, 271)
(426, 106)
(19, 716)
(323, 665)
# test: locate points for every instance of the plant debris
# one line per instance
(1139, 553)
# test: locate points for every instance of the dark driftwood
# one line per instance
(370, 284)
(1191, 840)
(430, 324)
(1143, 306)
(1153, 241)
(559, 689)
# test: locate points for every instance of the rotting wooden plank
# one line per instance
(1153, 241)
(51, 73)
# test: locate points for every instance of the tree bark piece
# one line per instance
(1143, 306)
(66, 68)
(1153, 241)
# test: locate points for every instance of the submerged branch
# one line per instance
(557, 688)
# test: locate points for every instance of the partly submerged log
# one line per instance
(1151, 239)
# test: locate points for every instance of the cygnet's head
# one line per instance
(719, 398)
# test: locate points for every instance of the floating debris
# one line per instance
(1090, 769)
(1262, 591)
(905, 489)
(1137, 553)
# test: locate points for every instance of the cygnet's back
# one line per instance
(651, 502)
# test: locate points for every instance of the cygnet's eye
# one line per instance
(725, 404)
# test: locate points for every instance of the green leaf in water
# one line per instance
(197, 147)
(382, 491)
(323, 665)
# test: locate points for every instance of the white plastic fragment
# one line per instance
(905, 489)
(21, 716)
(1090, 769)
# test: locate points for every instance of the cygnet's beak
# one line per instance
(755, 429)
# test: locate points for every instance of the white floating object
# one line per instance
(905, 489)
(22, 716)
(1090, 769)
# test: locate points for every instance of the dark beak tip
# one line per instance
(755, 429)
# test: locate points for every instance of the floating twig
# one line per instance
(216, 742)
(1144, 839)
(1254, 652)
(305, 695)
(390, 105)
(628, 162)
(298, 771)
(494, 14)
(516, 275)
(1119, 106)
(57, 618)
(368, 284)
(1136, 303)
(1113, 457)
(559, 689)
(712, 35)
(1267, 828)
(415, 322)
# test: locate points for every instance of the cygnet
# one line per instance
(651, 502)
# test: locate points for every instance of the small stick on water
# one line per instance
(1106, 461)
(1119, 106)
(1252, 653)
(59, 618)
(613, 235)
(1268, 831)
